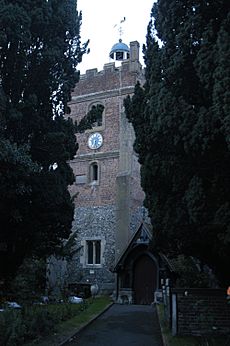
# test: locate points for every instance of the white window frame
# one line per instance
(94, 254)
(84, 256)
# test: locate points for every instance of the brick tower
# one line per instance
(108, 202)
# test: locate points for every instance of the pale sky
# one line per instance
(98, 20)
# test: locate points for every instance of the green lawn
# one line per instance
(67, 328)
(95, 306)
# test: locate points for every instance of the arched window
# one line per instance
(96, 111)
(94, 172)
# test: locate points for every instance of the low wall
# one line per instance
(200, 312)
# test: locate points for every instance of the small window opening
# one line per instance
(98, 252)
(94, 171)
(119, 56)
(93, 252)
(96, 115)
(90, 252)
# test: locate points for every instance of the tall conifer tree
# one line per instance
(40, 48)
(181, 120)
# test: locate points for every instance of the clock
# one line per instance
(95, 140)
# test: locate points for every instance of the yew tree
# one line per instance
(40, 48)
(181, 118)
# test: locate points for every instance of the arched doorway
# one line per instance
(144, 280)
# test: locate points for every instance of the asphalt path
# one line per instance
(122, 325)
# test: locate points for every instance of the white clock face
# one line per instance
(95, 140)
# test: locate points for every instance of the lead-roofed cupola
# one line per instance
(119, 51)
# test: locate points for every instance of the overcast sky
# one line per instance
(99, 18)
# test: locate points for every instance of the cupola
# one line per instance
(119, 51)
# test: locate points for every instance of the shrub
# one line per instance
(29, 283)
(189, 274)
(12, 328)
(32, 322)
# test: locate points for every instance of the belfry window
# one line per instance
(119, 56)
(96, 115)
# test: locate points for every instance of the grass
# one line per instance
(66, 329)
(95, 306)
(173, 340)
(187, 340)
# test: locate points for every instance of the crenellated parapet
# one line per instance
(116, 75)
(131, 64)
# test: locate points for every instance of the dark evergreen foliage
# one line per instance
(40, 48)
(181, 119)
(91, 119)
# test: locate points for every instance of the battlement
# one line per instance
(129, 65)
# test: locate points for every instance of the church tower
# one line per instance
(108, 197)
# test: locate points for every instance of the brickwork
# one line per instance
(110, 78)
(112, 208)
(102, 194)
(202, 312)
(110, 130)
(136, 193)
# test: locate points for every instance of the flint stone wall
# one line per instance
(94, 223)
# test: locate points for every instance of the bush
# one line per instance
(29, 283)
(189, 274)
(20, 326)
(12, 328)
(38, 321)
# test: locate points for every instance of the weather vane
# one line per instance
(120, 29)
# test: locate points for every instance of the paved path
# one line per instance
(122, 325)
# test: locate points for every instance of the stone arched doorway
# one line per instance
(144, 279)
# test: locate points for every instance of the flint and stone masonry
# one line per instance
(107, 206)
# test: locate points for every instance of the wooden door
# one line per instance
(145, 277)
